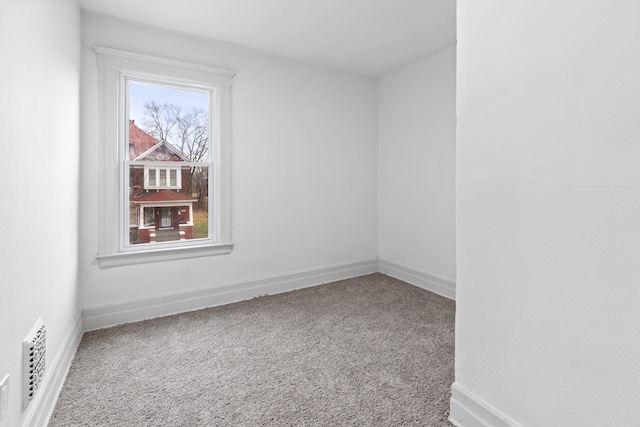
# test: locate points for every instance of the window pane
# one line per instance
(168, 123)
(165, 214)
(149, 219)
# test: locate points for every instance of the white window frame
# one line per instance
(115, 67)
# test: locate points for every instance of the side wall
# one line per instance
(548, 198)
(417, 131)
(304, 170)
(39, 110)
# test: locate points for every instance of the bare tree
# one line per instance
(159, 120)
(192, 134)
(186, 131)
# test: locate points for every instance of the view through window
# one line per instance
(168, 165)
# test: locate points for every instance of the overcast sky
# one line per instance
(139, 94)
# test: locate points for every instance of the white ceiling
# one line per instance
(370, 37)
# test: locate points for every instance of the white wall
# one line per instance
(39, 109)
(417, 130)
(548, 203)
(304, 169)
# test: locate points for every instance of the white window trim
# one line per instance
(113, 66)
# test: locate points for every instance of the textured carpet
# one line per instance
(368, 351)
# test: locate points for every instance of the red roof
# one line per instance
(139, 141)
(162, 196)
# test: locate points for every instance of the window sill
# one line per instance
(162, 254)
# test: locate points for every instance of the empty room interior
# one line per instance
(419, 212)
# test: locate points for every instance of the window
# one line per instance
(174, 182)
(150, 178)
(149, 219)
(165, 149)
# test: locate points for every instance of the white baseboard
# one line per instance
(44, 402)
(133, 311)
(468, 410)
(431, 282)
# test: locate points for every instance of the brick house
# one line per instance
(160, 202)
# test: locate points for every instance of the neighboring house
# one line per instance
(161, 206)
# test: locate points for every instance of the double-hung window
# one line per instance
(165, 146)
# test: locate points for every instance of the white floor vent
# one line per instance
(34, 349)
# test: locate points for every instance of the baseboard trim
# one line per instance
(469, 410)
(431, 282)
(133, 311)
(44, 402)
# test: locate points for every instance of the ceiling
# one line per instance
(370, 37)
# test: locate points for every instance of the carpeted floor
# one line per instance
(368, 351)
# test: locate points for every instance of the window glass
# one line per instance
(148, 217)
(169, 162)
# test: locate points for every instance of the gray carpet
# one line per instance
(368, 351)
